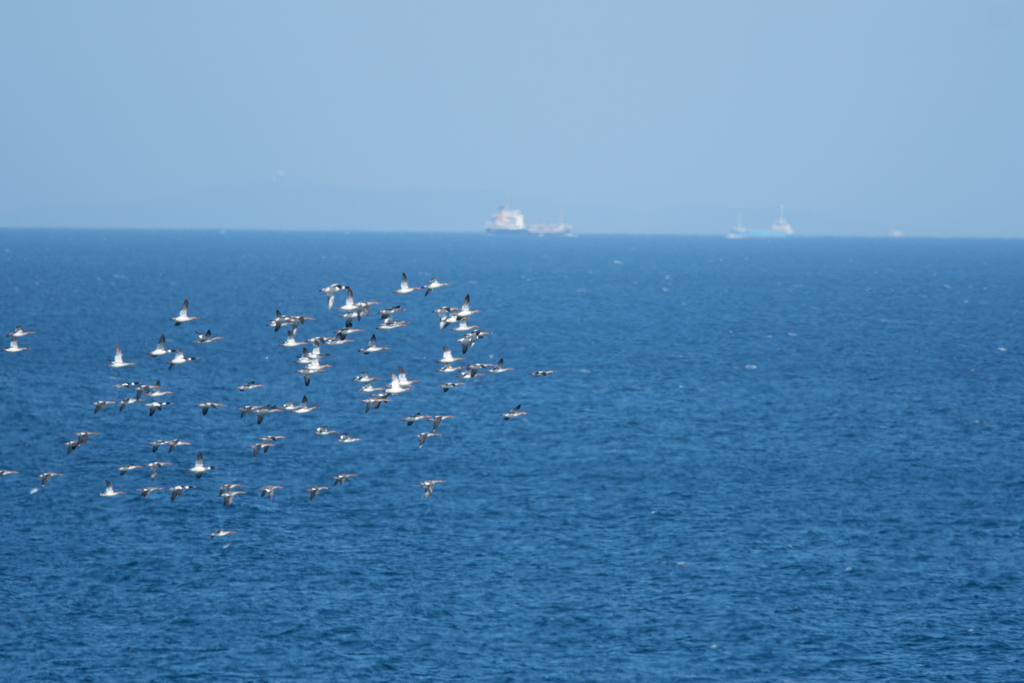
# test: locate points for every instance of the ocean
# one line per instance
(788, 460)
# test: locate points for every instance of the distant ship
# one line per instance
(780, 228)
(510, 222)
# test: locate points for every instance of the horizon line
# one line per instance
(723, 235)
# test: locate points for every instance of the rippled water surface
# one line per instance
(796, 460)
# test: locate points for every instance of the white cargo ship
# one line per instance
(780, 228)
(510, 222)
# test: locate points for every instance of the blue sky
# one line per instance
(654, 117)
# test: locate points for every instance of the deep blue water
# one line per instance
(758, 461)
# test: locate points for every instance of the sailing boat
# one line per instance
(780, 228)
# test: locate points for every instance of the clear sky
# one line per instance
(860, 117)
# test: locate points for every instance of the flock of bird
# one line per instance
(457, 319)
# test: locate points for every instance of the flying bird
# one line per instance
(176, 490)
(310, 369)
(405, 288)
(350, 304)
(515, 412)
(403, 380)
(313, 490)
(473, 337)
(154, 466)
(499, 367)
(229, 496)
(155, 390)
(118, 361)
(161, 348)
(157, 405)
(182, 317)
(100, 405)
(374, 402)
(45, 476)
(206, 405)
(423, 436)
(464, 311)
(372, 346)
(268, 491)
(447, 358)
(432, 285)
(80, 438)
(304, 407)
(428, 486)
(14, 348)
(18, 332)
(170, 443)
(330, 291)
(389, 323)
(261, 411)
(179, 359)
(440, 418)
(109, 492)
(396, 387)
(199, 468)
(206, 338)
